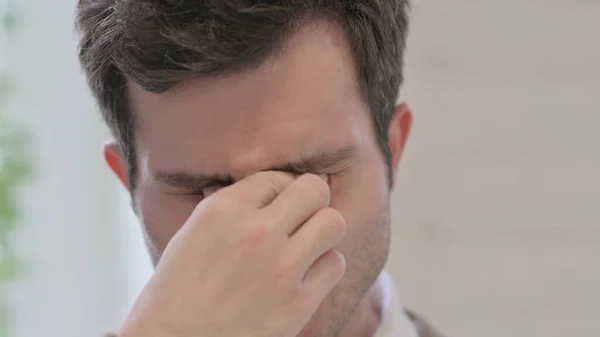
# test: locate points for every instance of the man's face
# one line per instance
(302, 103)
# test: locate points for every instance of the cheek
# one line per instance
(361, 199)
(163, 215)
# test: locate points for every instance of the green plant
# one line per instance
(14, 169)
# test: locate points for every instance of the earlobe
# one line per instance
(116, 162)
(398, 133)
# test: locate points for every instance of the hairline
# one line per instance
(301, 22)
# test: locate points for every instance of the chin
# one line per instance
(364, 265)
(331, 317)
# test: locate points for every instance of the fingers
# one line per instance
(320, 279)
(321, 233)
(298, 202)
(260, 189)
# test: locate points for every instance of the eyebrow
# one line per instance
(314, 163)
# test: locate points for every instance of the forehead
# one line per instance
(302, 100)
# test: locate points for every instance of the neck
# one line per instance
(367, 317)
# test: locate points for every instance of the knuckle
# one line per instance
(337, 264)
(294, 294)
(315, 185)
(270, 183)
(336, 218)
(335, 224)
(316, 182)
(280, 276)
(216, 209)
(218, 205)
(255, 238)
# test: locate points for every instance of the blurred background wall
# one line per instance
(496, 218)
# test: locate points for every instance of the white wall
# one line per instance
(75, 236)
(498, 218)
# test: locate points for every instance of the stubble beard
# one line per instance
(363, 267)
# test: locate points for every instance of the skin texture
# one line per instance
(303, 102)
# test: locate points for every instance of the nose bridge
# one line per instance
(263, 150)
(247, 161)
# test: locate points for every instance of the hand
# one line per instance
(255, 259)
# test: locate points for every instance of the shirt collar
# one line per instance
(395, 322)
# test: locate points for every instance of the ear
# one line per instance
(116, 162)
(398, 132)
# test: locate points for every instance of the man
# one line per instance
(259, 141)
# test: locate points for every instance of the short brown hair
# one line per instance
(161, 43)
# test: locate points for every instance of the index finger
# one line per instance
(259, 189)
